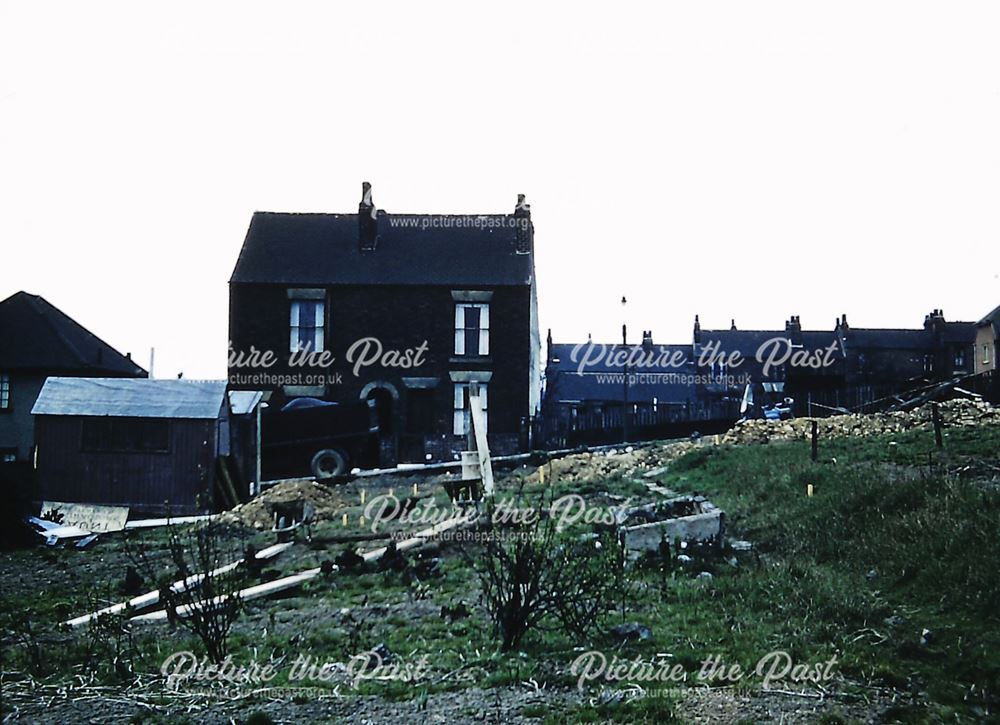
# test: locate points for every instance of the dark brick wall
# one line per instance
(400, 317)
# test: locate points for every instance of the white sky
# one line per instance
(747, 160)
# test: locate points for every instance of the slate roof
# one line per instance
(35, 335)
(594, 387)
(747, 342)
(131, 398)
(888, 339)
(599, 382)
(562, 356)
(959, 332)
(992, 318)
(323, 249)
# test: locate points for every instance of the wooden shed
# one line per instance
(152, 445)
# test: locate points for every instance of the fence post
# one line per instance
(936, 414)
(815, 440)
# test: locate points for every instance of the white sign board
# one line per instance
(87, 516)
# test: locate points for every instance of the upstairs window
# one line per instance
(4, 392)
(463, 416)
(986, 354)
(472, 328)
(306, 325)
(959, 358)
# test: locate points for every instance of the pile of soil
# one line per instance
(954, 414)
(254, 514)
(602, 465)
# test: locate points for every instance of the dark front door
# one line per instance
(419, 424)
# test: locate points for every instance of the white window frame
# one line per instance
(461, 330)
(295, 326)
(986, 353)
(462, 417)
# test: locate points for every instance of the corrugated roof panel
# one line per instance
(131, 398)
(242, 402)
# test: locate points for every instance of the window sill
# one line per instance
(475, 359)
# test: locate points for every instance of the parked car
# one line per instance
(308, 436)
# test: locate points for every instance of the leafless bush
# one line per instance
(111, 646)
(210, 558)
(533, 575)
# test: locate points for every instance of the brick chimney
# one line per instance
(647, 340)
(934, 323)
(793, 328)
(845, 328)
(732, 325)
(525, 231)
(697, 330)
(367, 220)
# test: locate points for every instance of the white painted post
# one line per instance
(482, 447)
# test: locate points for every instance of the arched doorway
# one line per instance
(386, 398)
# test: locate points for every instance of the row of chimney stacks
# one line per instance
(368, 238)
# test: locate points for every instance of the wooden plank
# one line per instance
(288, 582)
(151, 598)
(482, 447)
(254, 592)
(170, 521)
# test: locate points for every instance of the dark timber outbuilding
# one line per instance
(151, 445)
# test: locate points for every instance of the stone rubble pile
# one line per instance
(602, 465)
(954, 414)
(255, 514)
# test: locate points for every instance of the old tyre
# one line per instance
(328, 463)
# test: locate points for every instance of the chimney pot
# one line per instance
(367, 220)
(524, 233)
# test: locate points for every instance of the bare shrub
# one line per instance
(532, 575)
(211, 559)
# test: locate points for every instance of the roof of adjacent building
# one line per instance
(242, 402)
(569, 356)
(569, 386)
(603, 381)
(992, 318)
(959, 332)
(324, 249)
(748, 342)
(131, 398)
(888, 339)
(36, 335)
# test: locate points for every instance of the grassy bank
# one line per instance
(891, 564)
(890, 567)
